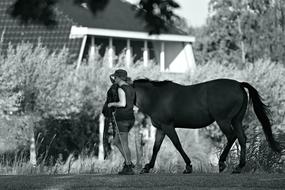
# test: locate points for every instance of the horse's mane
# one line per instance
(153, 82)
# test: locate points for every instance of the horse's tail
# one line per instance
(262, 112)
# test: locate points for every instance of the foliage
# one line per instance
(157, 14)
(41, 11)
(31, 74)
(242, 31)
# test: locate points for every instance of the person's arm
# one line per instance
(122, 99)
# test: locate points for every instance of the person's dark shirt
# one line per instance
(127, 112)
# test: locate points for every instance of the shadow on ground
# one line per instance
(146, 181)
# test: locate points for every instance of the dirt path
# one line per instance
(148, 181)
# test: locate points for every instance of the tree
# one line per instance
(157, 13)
(240, 31)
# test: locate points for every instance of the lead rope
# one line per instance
(120, 138)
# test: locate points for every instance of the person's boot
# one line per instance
(127, 170)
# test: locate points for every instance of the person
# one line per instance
(124, 116)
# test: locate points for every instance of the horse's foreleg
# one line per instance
(159, 136)
(171, 133)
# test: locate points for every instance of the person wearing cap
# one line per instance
(124, 116)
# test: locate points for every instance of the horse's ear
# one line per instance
(129, 81)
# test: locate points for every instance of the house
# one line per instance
(116, 28)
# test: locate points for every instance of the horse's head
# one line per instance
(147, 92)
(142, 88)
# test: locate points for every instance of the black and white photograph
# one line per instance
(142, 94)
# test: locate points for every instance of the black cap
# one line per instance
(121, 73)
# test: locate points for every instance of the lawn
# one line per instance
(146, 181)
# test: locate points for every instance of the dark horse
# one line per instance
(171, 105)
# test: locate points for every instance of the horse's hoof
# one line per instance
(145, 169)
(188, 169)
(237, 170)
(222, 166)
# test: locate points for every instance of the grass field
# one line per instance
(146, 181)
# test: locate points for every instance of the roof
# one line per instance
(117, 15)
(118, 19)
(53, 38)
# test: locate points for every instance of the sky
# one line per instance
(194, 11)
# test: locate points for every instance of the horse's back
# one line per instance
(201, 104)
(192, 106)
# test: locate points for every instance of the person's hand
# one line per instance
(110, 105)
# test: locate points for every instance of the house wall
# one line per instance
(179, 56)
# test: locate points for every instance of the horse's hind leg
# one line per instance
(242, 141)
(159, 136)
(171, 133)
(237, 124)
(227, 129)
